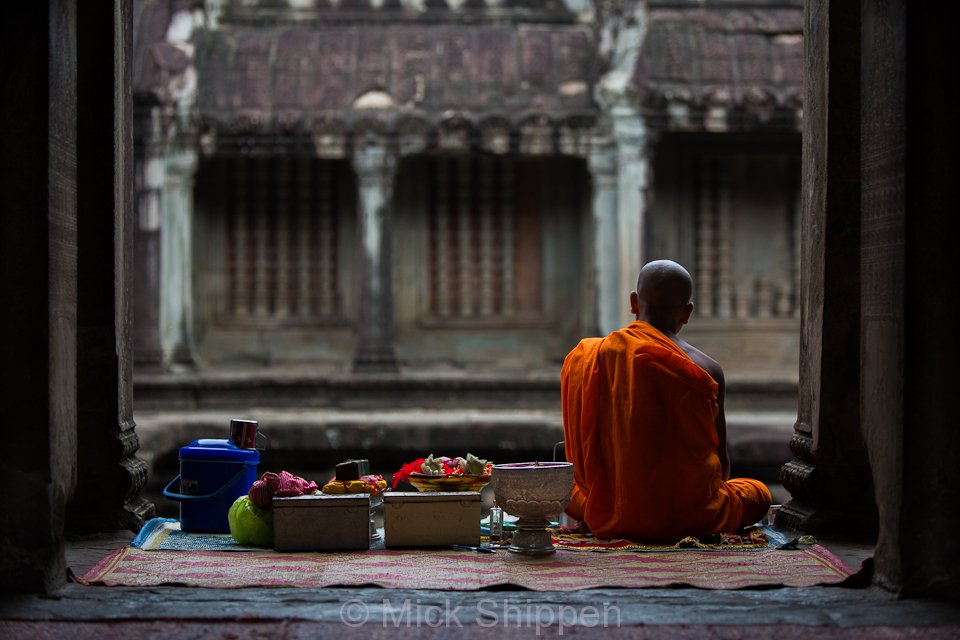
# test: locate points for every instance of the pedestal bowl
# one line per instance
(532, 491)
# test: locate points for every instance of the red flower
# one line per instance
(449, 467)
(405, 471)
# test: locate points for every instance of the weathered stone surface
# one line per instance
(831, 478)
(109, 474)
(38, 259)
(745, 59)
(255, 76)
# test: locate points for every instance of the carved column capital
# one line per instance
(629, 128)
(602, 159)
(375, 162)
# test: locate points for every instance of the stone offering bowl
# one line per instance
(533, 492)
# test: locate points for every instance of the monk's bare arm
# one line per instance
(712, 367)
(716, 372)
(721, 424)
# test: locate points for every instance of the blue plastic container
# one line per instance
(213, 474)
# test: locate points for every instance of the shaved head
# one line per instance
(664, 289)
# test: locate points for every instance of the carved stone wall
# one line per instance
(66, 364)
(829, 477)
(38, 254)
(109, 473)
(489, 259)
(484, 238)
(726, 207)
(274, 257)
(252, 78)
(907, 368)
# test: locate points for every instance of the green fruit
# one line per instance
(249, 524)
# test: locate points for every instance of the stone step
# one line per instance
(760, 438)
(347, 429)
(756, 440)
(309, 442)
(314, 419)
(435, 388)
(292, 388)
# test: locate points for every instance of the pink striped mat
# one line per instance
(468, 570)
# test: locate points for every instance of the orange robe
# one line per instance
(638, 419)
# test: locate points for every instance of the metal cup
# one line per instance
(243, 433)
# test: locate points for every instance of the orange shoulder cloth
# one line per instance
(638, 417)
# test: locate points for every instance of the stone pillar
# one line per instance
(146, 255)
(38, 260)
(176, 264)
(633, 169)
(620, 167)
(610, 301)
(908, 298)
(375, 166)
(882, 267)
(110, 475)
(706, 243)
(724, 247)
(829, 478)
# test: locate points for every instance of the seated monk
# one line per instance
(644, 426)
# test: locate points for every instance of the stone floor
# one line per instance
(101, 613)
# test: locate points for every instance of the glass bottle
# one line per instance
(496, 524)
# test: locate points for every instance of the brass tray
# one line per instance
(427, 482)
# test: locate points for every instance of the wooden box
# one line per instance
(321, 522)
(431, 519)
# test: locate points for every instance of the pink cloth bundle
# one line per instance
(283, 485)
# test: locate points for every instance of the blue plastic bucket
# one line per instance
(213, 474)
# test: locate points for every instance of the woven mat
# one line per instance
(468, 570)
(756, 537)
(164, 534)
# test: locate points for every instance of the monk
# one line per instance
(644, 426)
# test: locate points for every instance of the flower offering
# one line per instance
(443, 466)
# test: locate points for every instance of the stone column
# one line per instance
(176, 264)
(38, 259)
(724, 245)
(633, 168)
(602, 163)
(884, 317)
(706, 242)
(619, 207)
(375, 165)
(146, 253)
(909, 301)
(109, 474)
(829, 479)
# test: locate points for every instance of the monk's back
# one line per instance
(647, 411)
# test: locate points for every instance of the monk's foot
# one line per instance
(583, 528)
